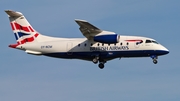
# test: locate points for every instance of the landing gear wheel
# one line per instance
(154, 58)
(101, 65)
(95, 60)
(155, 61)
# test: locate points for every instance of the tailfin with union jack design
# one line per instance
(23, 31)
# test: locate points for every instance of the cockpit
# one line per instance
(151, 41)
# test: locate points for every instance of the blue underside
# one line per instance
(107, 55)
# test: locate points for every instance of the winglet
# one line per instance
(79, 20)
(87, 29)
(13, 13)
(84, 23)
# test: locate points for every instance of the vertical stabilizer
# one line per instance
(23, 31)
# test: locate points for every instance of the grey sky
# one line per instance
(39, 78)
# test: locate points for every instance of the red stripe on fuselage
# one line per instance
(134, 40)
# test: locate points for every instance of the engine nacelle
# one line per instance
(107, 38)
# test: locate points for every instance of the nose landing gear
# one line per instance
(155, 61)
(154, 58)
(95, 60)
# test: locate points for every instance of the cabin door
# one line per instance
(69, 48)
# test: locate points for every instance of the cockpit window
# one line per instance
(154, 42)
(151, 41)
(148, 41)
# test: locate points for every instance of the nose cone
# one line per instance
(164, 50)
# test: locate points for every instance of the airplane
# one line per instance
(98, 46)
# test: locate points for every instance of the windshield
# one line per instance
(154, 42)
(148, 41)
(151, 41)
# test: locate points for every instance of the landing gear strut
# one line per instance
(154, 58)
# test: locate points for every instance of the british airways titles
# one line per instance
(98, 48)
(110, 48)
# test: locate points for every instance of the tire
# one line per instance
(95, 60)
(101, 65)
(155, 61)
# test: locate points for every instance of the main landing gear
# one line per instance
(95, 60)
(101, 62)
(154, 58)
(101, 65)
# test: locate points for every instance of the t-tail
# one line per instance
(23, 31)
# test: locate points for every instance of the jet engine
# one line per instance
(107, 38)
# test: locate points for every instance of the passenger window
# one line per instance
(91, 44)
(78, 45)
(121, 43)
(102, 44)
(127, 43)
(85, 44)
(108, 44)
(98, 44)
(115, 44)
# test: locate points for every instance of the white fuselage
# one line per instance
(81, 48)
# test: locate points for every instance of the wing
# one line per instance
(89, 30)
